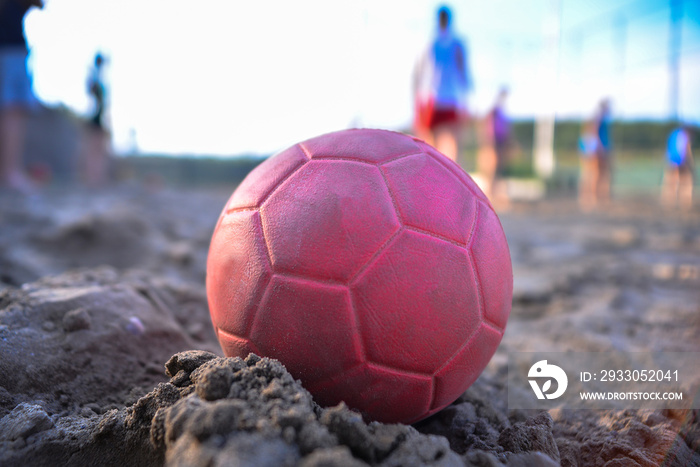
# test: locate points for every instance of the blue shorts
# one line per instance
(588, 146)
(15, 82)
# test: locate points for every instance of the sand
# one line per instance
(107, 355)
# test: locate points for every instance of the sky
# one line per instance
(228, 77)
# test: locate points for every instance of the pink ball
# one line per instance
(370, 265)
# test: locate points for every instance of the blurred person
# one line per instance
(441, 81)
(494, 150)
(595, 148)
(96, 154)
(680, 171)
(16, 97)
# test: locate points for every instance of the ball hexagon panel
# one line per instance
(373, 146)
(238, 274)
(318, 337)
(430, 198)
(464, 368)
(455, 169)
(263, 179)
(382, 392)
(492, 260)
(328, 219)
(235, 346)
(416, 321)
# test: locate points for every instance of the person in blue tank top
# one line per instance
(595, 146)
(677, 189)
(16, 96)
(441, 83)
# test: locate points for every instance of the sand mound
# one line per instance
(82, 380)
(91, 336)
(81, 348)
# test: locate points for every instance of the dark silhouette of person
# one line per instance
(96, 154)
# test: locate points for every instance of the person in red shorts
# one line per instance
(441, 83)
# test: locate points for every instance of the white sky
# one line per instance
(231, 77)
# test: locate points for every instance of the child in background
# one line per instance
(595, 148)
(679, 177)
(494, 151)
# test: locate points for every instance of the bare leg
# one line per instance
(500, 193)
(588, 183)
(486, 165)
(446, 141)
(427, 136)
(669, 189)
(604, 180)
(424, 134)
(95, 157)
(13, 122)
(500, 186)
(685, 188)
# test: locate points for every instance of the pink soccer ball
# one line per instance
(370, 265)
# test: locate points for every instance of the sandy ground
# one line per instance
(98, 290)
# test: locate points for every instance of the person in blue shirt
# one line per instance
(680, 171)
(16, 97)
(441, 83)
(595, 146)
